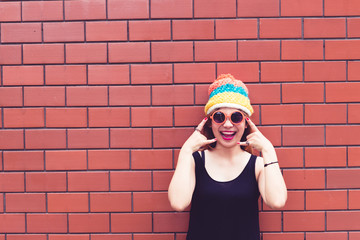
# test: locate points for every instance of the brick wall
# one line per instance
(97, 97)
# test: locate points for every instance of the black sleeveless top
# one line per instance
(224, 210)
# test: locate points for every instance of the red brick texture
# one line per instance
(97, 98)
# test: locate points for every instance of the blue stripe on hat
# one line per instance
(228, 88)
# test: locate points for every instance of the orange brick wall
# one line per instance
(97, 97)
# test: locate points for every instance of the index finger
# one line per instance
(252, 125)
(201, 124)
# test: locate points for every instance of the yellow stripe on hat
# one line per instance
(233, 99)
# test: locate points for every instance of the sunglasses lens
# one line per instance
(236, 117)
(219, 117)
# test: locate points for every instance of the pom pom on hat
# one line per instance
(226, 91)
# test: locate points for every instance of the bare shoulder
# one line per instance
(259, 166)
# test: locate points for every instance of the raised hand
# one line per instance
(197, 140)
(256, 139)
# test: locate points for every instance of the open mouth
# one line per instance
(227, 135)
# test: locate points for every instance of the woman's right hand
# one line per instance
(197, 140)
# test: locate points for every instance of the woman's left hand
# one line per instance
(256, 139)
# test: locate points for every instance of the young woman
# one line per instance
(217, 173)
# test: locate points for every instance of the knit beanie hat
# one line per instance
(226, 91)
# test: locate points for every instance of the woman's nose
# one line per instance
(228, 123)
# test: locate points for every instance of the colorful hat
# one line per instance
(226, 91)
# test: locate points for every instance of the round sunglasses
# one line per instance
(220, 117)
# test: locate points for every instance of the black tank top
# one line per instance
(224, 210)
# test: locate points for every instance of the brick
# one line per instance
(109, 117)
(295, 201)
(214, 9)
(111, 236)
(130, 181)
(65, 74)
(303, 135)
(304, 221)
(304, 179)
(281, 114)
(63, 31)
(324, 28)
(342, 49)
(25, 202)
(201, 94)
(23, 160)
(23, 75)
(325, 157)
(194, 72)
(171, 9)
(171, 222)
(188, 115)
(325, 71)
(273, 133)
(131, 222)
(88, 138)
(353, 26)
(265, 93)
(108, 74)
(353, 113)
(258, 8)
(23, 117)
(151, 159)
(12, 182)
(68, 236)
(161, 180)
(85, 10)
(128, 9)
(86, 52)
(280, 28)
(342, 220)
(302, 8)
(42, 11)
(326, 200)
(151, 74)
(44, 96)
(11, 139)
(354, 196)
(45, 181)
(88, 181)
(12, 223)
(341, 8)
(129, 95)
(65, 160)
(129, 52)
(11, 96)
(87, 96)
(108, 159)
(326, 235)
(10, 11)
(353, 70)
(353, 153)
(89, 222)
(302, 50)
(258, 50)
(10, 54)
(135, 137)
(20, 32)
(106, 31)
(270, 221)
(342, 135)
(149, 30)
(342, 178)
(66, 117)
(283, 236)
(152, 236)
(342, 92)
(170, 137)
(281, 71)
(323, 113)
(110, 202)
(192, 29)
(26, 237)
(172, 95)
(215, 51)
(46, 223)
(151, 201)
(354, 235)
(45, 138)
(290, 157)
(68, 202)
(172, 51)
(302, 92)
(244, 71)
(151, 117)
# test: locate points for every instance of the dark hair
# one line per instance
(208, 133)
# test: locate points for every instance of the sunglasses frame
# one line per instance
(227, 116)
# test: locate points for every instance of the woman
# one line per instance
(223, 181)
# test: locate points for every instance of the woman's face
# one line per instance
(227, 133)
